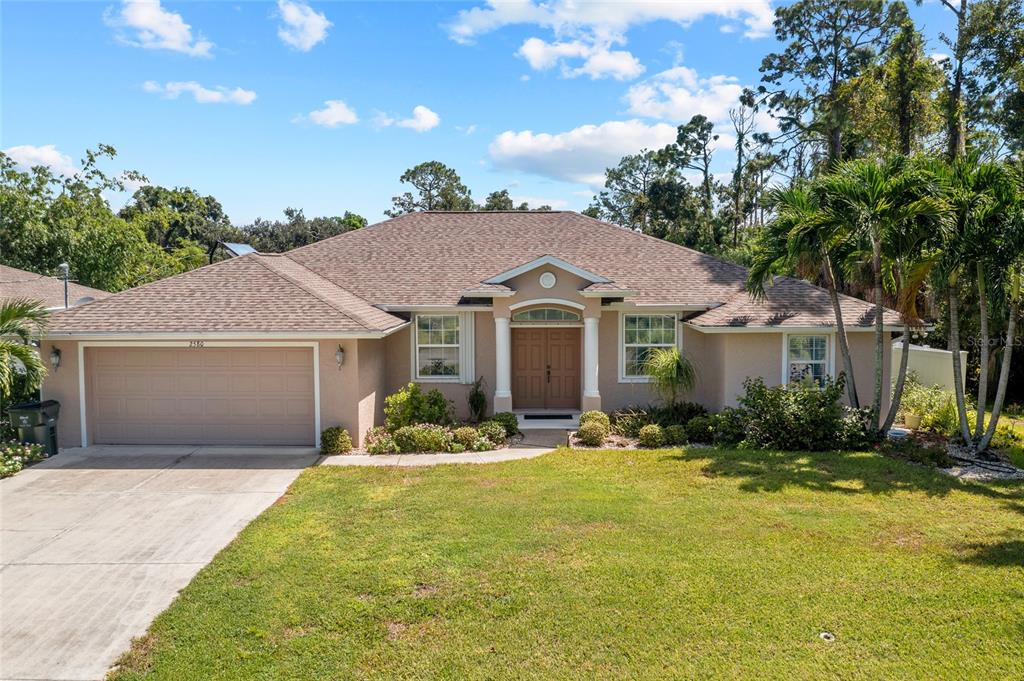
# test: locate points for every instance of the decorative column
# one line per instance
(502, 365)
(591, 393)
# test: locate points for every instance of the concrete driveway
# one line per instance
(96, 542)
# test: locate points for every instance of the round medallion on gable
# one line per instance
(547, 280)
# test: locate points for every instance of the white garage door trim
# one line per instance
(201, 344)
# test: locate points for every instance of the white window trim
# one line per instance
(467, 349)
(623, 378)
(830, 349)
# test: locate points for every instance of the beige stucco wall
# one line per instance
(62, 385)
(352, 396)
(398, 365)
(733, 357)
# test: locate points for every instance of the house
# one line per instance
(19, 284)
(554, 310)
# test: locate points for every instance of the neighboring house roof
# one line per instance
(431, 258)
(251, 293)
(791, 303)
(15, 283)
(345, 283)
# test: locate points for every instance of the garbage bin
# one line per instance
(37, 423)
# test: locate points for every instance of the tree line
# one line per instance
(889, 174)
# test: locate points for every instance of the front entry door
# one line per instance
(546, 368)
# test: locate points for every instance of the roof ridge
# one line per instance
(356, 317)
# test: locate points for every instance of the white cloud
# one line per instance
(144, 23)
(578, 155)
(422, 119)
(599, 60)
(27, 156)
(203, 95)
(303, 26)
(334, 113)
(606, 19)
(467, 129)
(679, 93)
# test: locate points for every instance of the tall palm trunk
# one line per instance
(979, 422)
(901, 379)
(876, 266)
(954, 345)
(844, 345)
(1004, 378)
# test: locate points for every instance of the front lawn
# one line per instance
(624, 564)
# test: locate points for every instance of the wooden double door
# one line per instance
(546, 368)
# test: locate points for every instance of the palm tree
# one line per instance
(672, 373)
(1009, 250)
(871, 201)
(801, 238)
(21, 321)
(978, 241)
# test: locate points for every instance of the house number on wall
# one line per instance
(196, 344)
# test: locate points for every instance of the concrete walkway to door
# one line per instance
(95, 542)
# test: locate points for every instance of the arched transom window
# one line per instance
(546, 314)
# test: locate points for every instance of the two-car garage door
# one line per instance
(205, 395)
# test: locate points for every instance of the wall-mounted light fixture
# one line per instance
(55, 358)
(339, 356)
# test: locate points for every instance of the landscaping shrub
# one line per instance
(652, 435)
(508, 420)
(934, 404)
(14, 456)
(701, 429)
(793, 417)
(729, 426)
(596, 417)
(477, 400)
(675, 434)
(465, 436)
(380, 441)
(482, 444)
(493, 432)
(628, 422)
(410, 406)
(335, 440)
(591, 434)
(457, 448)
(423, 437)
(678, 413)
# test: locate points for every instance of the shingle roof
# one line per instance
(251, 293)
(791, 303)
(15, 283)
(437, 258)
(430, 258)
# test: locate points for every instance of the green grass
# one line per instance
(580, 565)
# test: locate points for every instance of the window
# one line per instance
(641, 334)
(545, 314)
(437, 346)
(807, 359)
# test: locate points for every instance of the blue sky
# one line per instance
(322, 105)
